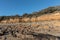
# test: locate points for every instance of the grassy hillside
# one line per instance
(44, 11)
(35, 14)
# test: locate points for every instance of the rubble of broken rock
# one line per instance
(27, 31)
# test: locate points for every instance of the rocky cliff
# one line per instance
(43, 25)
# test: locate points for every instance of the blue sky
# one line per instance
(13, 7)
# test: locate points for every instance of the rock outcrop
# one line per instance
(28, 31)
(43, 27)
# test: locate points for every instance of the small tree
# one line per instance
(17, 15)
(25, 15)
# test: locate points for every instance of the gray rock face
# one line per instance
(45, 30)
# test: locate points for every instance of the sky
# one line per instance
(13, 7)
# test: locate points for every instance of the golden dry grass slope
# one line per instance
(46, 17)
(50, 13)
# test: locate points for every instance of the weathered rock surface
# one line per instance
(44, 30)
